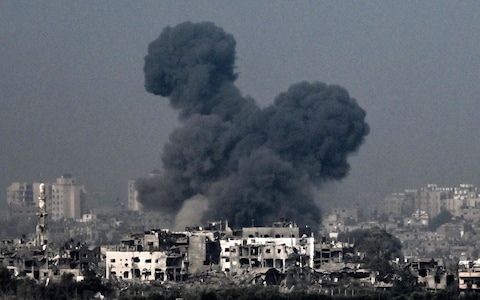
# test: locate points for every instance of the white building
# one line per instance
(278, 246)
(65, 198)
(269, 252)
(136, 265)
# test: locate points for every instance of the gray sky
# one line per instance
(72, 98)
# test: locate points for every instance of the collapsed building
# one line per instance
(42, 263)
(170, 256)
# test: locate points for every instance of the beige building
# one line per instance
(22, 199)
(64, 198)
(394, 205)
(140, 265)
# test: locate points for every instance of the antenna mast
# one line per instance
(42, 214)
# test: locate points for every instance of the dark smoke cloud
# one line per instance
(251, 163)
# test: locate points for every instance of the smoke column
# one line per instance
(251, 163)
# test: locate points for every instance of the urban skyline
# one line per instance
(73, 97)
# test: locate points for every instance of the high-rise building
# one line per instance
(21, 199)
(394, 204)
(133, 203)
(133, 195)
(63, 198)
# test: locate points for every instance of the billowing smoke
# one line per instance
(251, 163)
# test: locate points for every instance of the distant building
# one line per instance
(464, 201)
(394, 205)
(21, 199)
(348, 215)
(64, 198)
(133, 197)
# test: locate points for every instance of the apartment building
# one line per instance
(64, 198)
(22, 199)
(461, 201)
(133, 197)
(164, 255)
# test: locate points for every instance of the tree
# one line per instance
(7, 283)
(442, 218)
(378, 246)
(375, 242)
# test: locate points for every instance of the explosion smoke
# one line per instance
(251, 163)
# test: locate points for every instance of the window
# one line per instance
(112, 260)
(148, 260)
(136, 273)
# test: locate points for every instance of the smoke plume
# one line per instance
(251, 163)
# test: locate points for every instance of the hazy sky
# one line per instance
(72, 97)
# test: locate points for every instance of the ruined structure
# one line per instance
(171, 256)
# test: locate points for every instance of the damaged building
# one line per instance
(170, 256)
(43, 263)
(280, 246)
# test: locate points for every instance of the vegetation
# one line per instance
(271, 293)
(378, 246)
(442, 218)
(66, 288)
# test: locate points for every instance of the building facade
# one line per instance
(64, 199)
(22, 199)
(133, 197)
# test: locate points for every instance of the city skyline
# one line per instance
(73, 101)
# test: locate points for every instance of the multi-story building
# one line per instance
(22, 199)
(347, 215)
(398, 205)
(64, 199)
(134, 203)
(154, 255)
(164, 255)
(133, 197)
(464, 198)
(394, 204)
(469, 276)
(460, 201)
